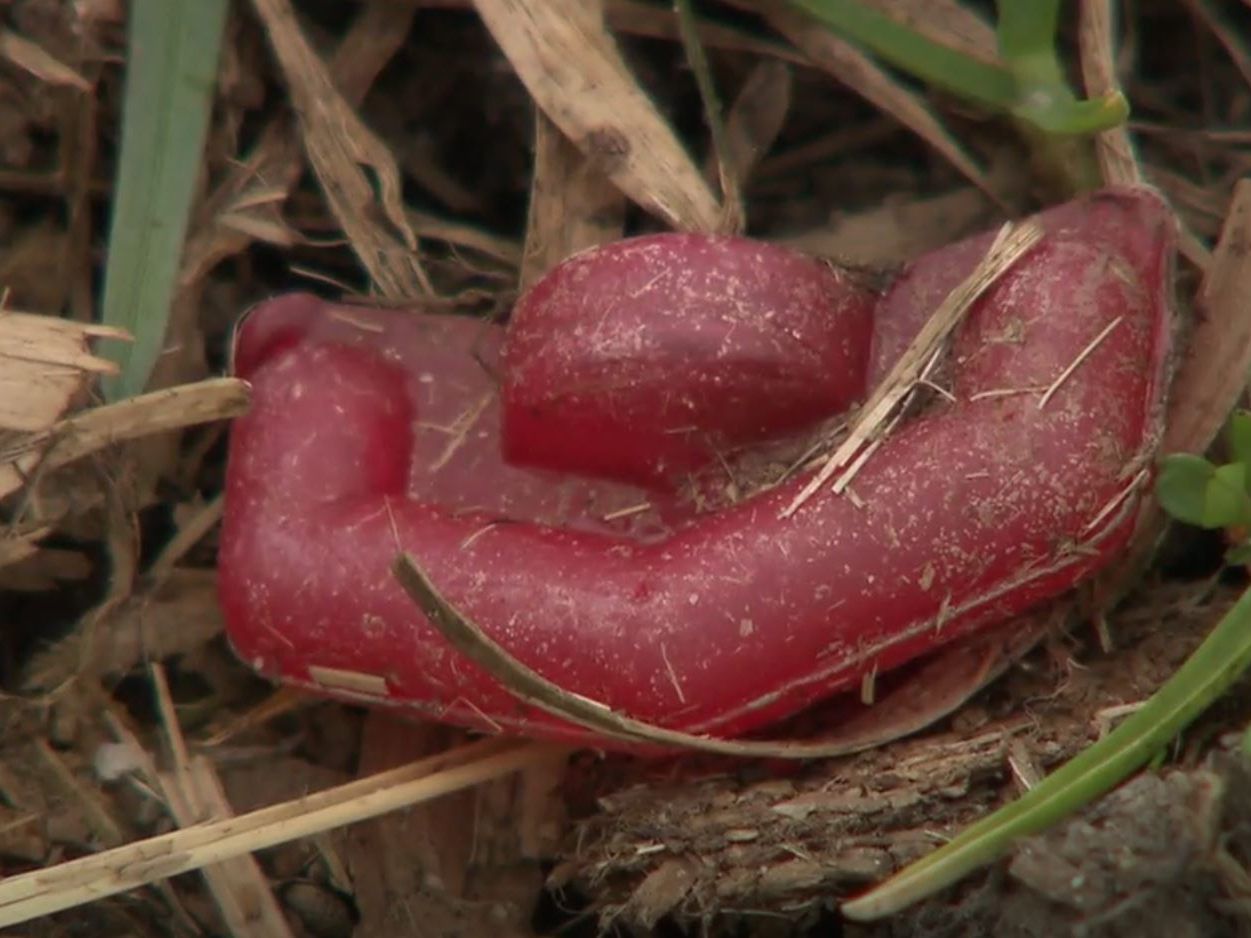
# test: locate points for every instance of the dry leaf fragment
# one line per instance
(44, 362)
(1213, 372)
(571, 66)
(39, 62)
(339, 146)
(757, 115)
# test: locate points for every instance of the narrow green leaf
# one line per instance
(1026, 27)
(171, 69)
(1029, 85)
(1238, 555)
(991, 86)
(1061, 113)
(1238, 434)
(1226, 496)
(1205, 676)
(1181, 487)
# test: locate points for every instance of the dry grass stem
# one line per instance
(658, 22)
(42, 892)
(757, 116)
(948, 22)
(187, 536)
(194, 794)
(628, 511)
(15, 547)
(1077, 361)
(1116, 501)
(39, 62)
(459, 234)
(725, 168)
(1220, 23)
(92, 430)
(339, 147)
(1009, 246)
(249, 199)
(1113, 148)
(57, 775)
(572, 68)
(572, 204)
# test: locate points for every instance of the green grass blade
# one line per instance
(1064, 114)
(1205, 676)
(1029, 84)
(171, 70)
(991, 86)
(1026, 30)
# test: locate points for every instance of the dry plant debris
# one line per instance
(563, 55)
(874, 420)
(45, 363)
(339, 147)
(847, 64)
(94, 429)
(90, 878)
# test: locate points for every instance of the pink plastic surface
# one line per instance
(373, 431)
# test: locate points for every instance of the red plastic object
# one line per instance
(641, 360)
(373, 431)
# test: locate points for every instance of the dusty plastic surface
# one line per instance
(373, 431)
(642, 359)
